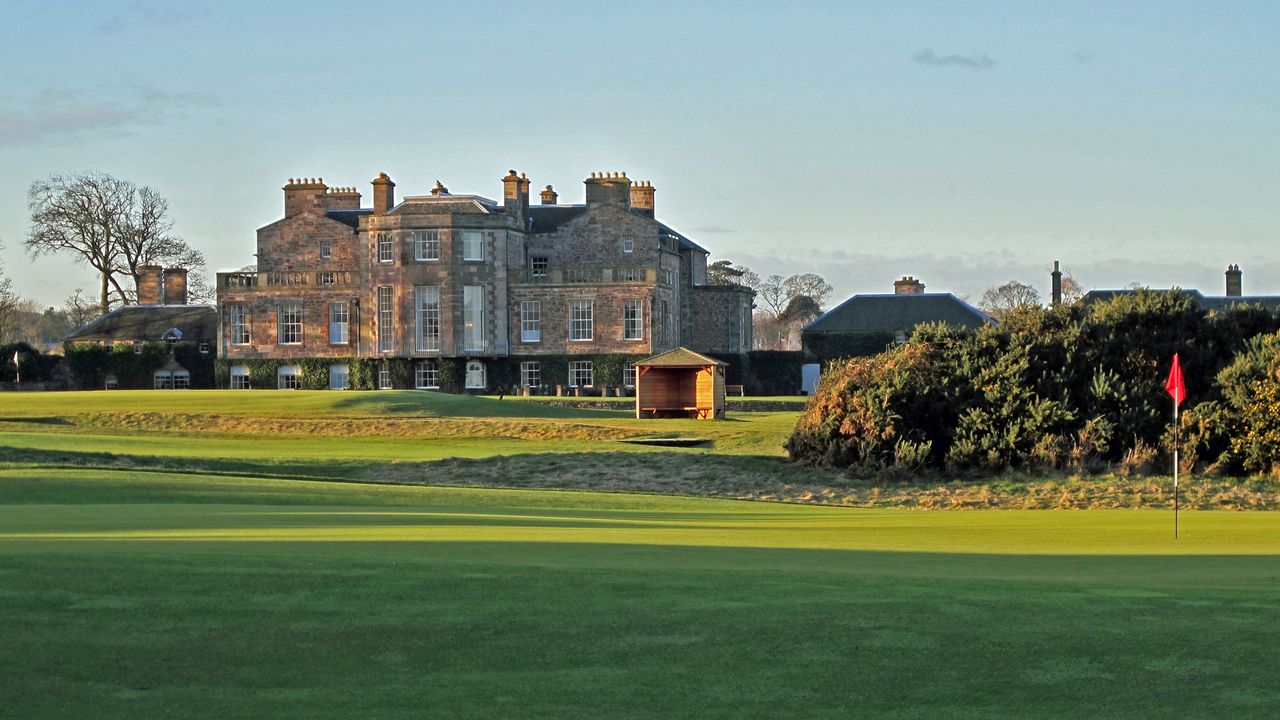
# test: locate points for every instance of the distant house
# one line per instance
(866, 324)
(162, 315)
(1234, 296)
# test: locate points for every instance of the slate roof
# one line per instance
(451, 204)
(549, 218)
(1204, 302)
(893, 313)
(149, 322)
(350, 218)
(679, 358)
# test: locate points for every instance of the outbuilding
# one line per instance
(680, 383)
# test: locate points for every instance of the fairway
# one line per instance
(212, 591)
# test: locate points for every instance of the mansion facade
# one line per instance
(438, 280)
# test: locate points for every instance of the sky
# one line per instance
(967, 144)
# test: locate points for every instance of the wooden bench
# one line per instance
(734, 390)
(697, 411)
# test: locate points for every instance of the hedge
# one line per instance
(34, 365)
(91, 363)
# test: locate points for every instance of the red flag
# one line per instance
(1176, 388)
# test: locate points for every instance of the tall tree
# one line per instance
(999, 301)
(773, 293)
(809, 285)
(109, 224)
(8, 304)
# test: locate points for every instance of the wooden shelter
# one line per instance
(680, 383)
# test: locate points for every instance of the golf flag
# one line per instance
(1176, 388)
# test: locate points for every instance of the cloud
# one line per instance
(59, 113)
(150, 14)
(711, 229)
(973, 62)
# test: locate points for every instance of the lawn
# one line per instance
(145, 574)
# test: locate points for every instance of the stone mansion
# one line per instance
(549, 292)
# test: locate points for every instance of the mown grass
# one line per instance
(142, 594)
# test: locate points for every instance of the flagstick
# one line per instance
(1175, 468)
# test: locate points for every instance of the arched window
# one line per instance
(475, 375)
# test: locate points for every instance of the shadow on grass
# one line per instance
(439, 404)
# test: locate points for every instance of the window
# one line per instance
(530, 321)
(472, 245)
(289, 321)
(475, 375)
(239, 377)
(530, 374)
(633, 320)
(631, 274)
(172, 380)
(239, 325)
(326, 251)
(426, 245)
(289, 377)
(538, 265)
(204, 348)
(580, 374)
(666, 277)
(386, 321)
(629, 375)
(137, 347)
(338, 377)
(386, 248)
(327, 278)
(473, 318)
(339, 324)
(665, 307)
(628, 244)
(426, 303)
(426, 375)
(384, 379)
(580, 325)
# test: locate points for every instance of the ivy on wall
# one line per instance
(90, 364)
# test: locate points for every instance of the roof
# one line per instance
(1204, 302)
(446, 204)
(679, 358)
(892, 313)
(349, 217)
(549, 218)
(150, 322)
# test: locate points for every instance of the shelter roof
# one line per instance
(681, 357)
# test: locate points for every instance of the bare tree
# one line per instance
(773, 293)
(111, 225)
(1004, 299)
(8, 304)
(809, 285)
(78, 310)
(1071, 290)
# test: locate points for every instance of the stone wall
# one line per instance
(295, 244)
(720, 316)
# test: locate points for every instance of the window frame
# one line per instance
(539, 260)
(578, 369)
(344, 323)
(284, 326)
(473, 317)
(424, 240)
(326, 250)
(629, 322)
(293, 384)
(238, 372)
(530, 321)
(478, 237)
(484, 375)
(345, 373)
(531, 370)
(240, 334)
(426, 375)
(427, 319)
(577, 319)
(385, 295)
(386, 247)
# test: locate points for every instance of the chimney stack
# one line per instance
(515, 196)
(175, 286)
(384, 194)
(342, 198)
(1235, 281)
(549, 196)
(150, 289)
(301, 194)
(642, 196)
(907, 286)
(608, 189)
(1057, 284)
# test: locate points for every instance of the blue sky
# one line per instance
(964, 143)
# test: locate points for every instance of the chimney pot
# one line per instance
(908, 286)
(1057, 284)
(384, 194)
(1235, 281)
